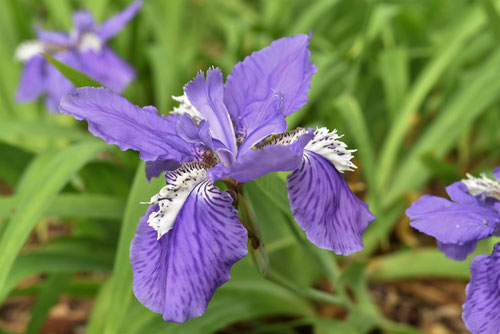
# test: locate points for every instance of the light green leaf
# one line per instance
(37, 194)
(121, 282)
(54, 287)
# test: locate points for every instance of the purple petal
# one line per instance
(52, 37)
(207, 97)
(115, 24)
(178, 274)
(325, 208)
(459, 193)
(269, 84)
(155, 168)
(117, 121)
(452, 223)
(259, 162)
(274, 124)
(83, 21)
(496, 173)
(482, 302)
(57, 85)
(32, 80)
(107, 68)
(457, 252)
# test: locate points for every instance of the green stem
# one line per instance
(308, 293)
(248, 218)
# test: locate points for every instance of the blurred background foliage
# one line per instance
(413, 85)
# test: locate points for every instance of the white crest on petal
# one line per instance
(328, 145)
(90, 41)
(185, 107)
(285, 138)
(172, 197)
(324, 143)
(27, 50)
(482, 185)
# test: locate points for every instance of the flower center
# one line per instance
(89, 41)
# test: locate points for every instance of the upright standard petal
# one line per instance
(32, 83)
(482, 302)
(117, 121)
(83, 21)
(459, 224)
(207, 97)
(269, 85)
(115, 24)
(177, 274)
(268, 158)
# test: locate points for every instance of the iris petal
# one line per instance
(117, 121)
(325, 208)
(482, 303)
(32, 82)
(267, 86)
(178, 274)
(116, 23)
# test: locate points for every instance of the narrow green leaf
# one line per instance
(354, 119)
(235, 301)
(121, 280)
(466, 105)
(78, 255)
(77, 78)
(73, 206)
(30, 129)
(37, 195)
(54, 287)
(463, 29)
(424, 263)
(393, 68)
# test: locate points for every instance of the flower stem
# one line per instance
(248, 218)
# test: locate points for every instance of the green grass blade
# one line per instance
(454, 121)
(464, 28)
(356, 124)
(75, 255)
(121, 281)
(36, 196)
(91, 206)
(54, 287)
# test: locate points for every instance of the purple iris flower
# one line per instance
(84, 49)
(482, 303)
(190, 237)
(472, 215)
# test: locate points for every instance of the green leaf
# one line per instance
(76, 255)
(54, 287)
(356, 123)
(456, 118)
(73, 206)
(464, 27)
(77, 78)
(121, 281)
(37, 194)
(235, 301)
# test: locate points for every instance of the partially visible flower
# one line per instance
(472, 215)
(482, 302)
(84, 49)
(190, 236)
